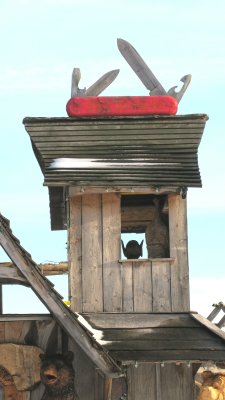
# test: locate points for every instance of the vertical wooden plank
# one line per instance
(108, 389)
(158, 382)
(127, 287)
(178, 250)
(92, 253)
(99, 383)
(74, 253)
(142, 286)
(84, 373)
(142, 382)
(177, 382)
(112, 282)
(161, 281)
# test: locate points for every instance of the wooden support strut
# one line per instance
(62, 314)
(10, 271)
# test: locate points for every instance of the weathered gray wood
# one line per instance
(160, 345)
(142, 286)
(127, 356)
(127, 288)
(53, 301)
(178, 250)
(92, 253)
(10, 274)
(142, 382)
(25, 317)
(214, 313)
(139, 320)
(75, 190)
(74, 253)
(212, 327)
(101, 138)
(136, 218)
(177, 382)
(84, 373)
(112, 282)
(161, 286)
(162, 334)
(158, 382)
(137, 213)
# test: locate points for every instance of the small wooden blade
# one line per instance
(102, 83)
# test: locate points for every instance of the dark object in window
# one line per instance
(133, 249)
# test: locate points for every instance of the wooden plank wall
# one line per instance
(94, 250)
(160, 381)
(100, 283)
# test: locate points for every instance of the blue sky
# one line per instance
(42, 41)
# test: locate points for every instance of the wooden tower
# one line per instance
(112, 175)
(105, 176)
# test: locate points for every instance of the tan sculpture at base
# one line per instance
(213, 386)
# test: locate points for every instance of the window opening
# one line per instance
(144, 223)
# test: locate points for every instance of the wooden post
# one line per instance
(108, 389)
(178, 250)
(112, 283)
(75, 258)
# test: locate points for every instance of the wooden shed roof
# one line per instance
(159, 337)
(141, 150)
(53, 301)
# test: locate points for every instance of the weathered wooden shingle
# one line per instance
(157, 337)
(141, 151)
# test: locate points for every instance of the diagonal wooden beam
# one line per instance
(51, 299)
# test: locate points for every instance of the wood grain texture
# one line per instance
(53, 301)
(177, 382)
(127, 287)
(142, 287)
(112, 282)
(158, 139)
(140, 320)
(23, 363)
(142, 382)
(74, 253)
(161, 286)
(178, 250)
(92, 253)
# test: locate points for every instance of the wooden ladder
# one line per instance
(218, 307)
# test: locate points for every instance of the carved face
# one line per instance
(56, 371)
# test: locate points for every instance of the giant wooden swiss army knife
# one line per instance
(84, 102)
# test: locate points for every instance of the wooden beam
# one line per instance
(207, 324)
(75, 190)
(54, 268)
(51, 299)
(9, 271)
(108, 389)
